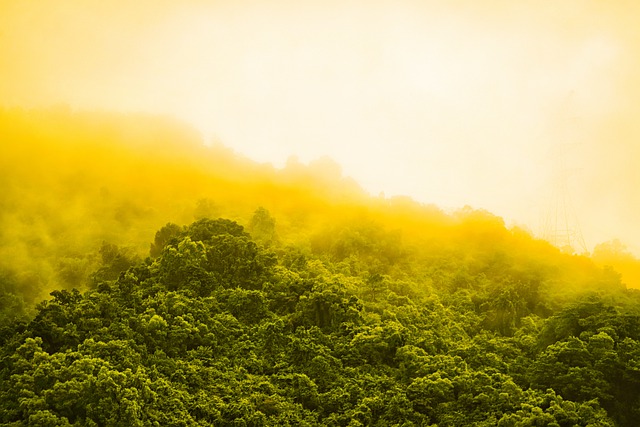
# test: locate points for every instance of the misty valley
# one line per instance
(149, 279)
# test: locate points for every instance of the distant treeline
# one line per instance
(76, 185)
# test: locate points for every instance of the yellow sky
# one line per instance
(453, 103)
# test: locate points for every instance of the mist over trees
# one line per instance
(146, 279)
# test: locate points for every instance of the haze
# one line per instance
(463, 103)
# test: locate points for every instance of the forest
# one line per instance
(148, 279)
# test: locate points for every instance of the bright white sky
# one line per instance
(453, 103)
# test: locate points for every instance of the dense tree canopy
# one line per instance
(217, 329)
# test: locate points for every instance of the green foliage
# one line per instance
(163, 237)
(114, 261)
(219, 330)
(12, 304)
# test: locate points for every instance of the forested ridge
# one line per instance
(189, 286)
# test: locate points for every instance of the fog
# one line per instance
(526, 109)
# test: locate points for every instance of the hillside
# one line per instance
(191, 286)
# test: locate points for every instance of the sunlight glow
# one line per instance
(453, 104)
